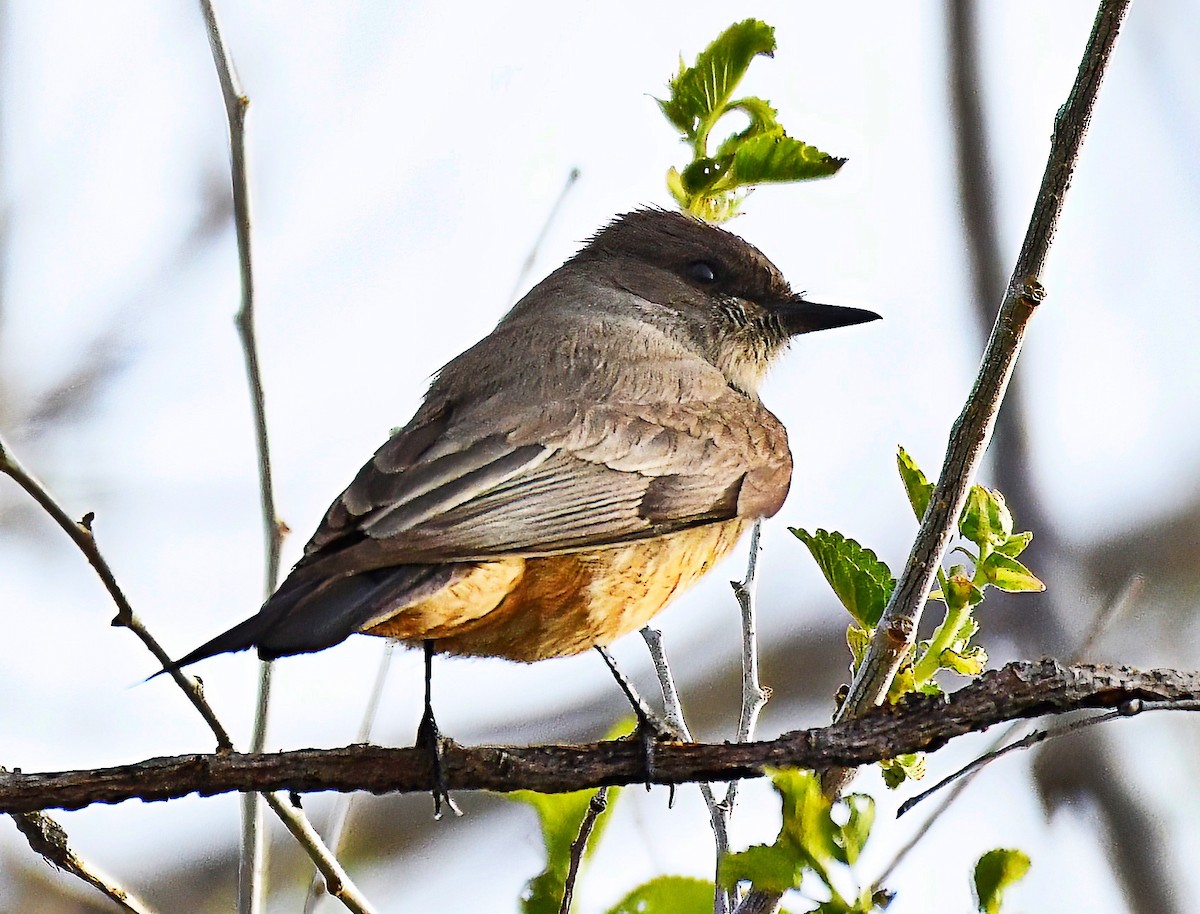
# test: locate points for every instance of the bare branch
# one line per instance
(718, 811)
(252, 876)
(337, 882)
(918, 724)
(596, 807)
(972, 430)
(48, 838)
(81, 534)
(531, 257)
(341, 811)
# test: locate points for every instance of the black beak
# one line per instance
(800, 316)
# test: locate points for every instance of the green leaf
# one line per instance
(774, 868)
(861, 581)
(1016, 543)
(918, 488)
(715, 208)
(763, 120)
(778, 157)
(675, 186)
(699, 93)
(853, 835)
(702, 174)
(1010, 575)
(969, 662)
(807, 824)
(994, 873)
(985, 520)
(858, 639)
(895, 771)
(810, 841)
(960, 590)
(668, 895)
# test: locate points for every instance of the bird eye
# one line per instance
(701, 271)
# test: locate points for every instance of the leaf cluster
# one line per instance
(864, 585)
(814, 848)
(713, 185)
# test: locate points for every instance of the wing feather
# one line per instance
(566, 475)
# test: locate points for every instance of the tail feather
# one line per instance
(310, 614)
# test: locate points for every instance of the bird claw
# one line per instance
(651, 732)
(430, 739)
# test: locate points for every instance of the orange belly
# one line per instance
(530, 609)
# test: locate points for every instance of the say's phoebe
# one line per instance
(566, 476)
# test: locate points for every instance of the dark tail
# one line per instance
(310, 614)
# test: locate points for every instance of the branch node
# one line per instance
(1032, 292)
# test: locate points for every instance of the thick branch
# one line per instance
(919, 724)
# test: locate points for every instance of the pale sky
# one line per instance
(404, 159)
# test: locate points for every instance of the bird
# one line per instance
(565, 477)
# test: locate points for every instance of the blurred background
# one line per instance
(405, 159)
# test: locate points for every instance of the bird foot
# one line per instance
(430, 738)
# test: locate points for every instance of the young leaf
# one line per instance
(985, 520)
(919, 488)
(807, 827)
(774, 868)
(861, 581)
(779, 157)
(668, 895)
(960, 590)
(853, 835)
(969, 662)
(1009, 575)
(699, 92)
(895, 771)
(996, 871)
(763, 120)
(857, 639)
(1015, 544)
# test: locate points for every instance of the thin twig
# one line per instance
(531, 258)
(341, 810)
(674, 711)
(48, 838)
(252, 874)
(596, 807)
(1103, 621)
(1131, 708)
(1114, 610)
(337, 882)
(81, 534)
(968, 438)
(672, 707)
(754, 696)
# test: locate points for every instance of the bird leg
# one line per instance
(429, 738)
(651, 729)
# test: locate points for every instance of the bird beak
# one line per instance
(800, 316)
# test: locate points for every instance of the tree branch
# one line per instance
(918, 724)
(897, 629)
(49, 839)
(80, 533)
